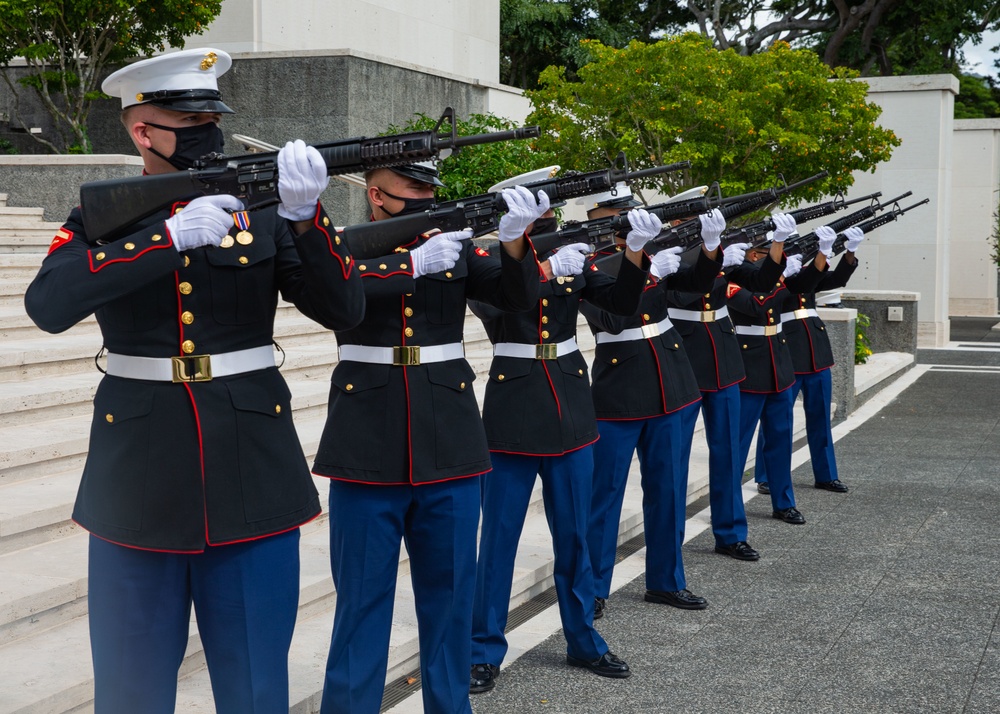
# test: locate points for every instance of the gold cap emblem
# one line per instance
(210, 59)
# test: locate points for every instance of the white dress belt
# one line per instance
(190, 368)
(758, 330)
(800, 314)
(402, 356)
(699, 315)
(635, 333)
(545, 351)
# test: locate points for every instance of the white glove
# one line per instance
(826, 236)
(784, 226)
(793, 264)
(734, 254)
(204, 221)
(522, 211)
(440, 252)
(301, 179)
(712, 225)
(854, 236)
(569, 260)
(645, 227)
(666, 262)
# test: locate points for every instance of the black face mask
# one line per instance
(193, 142)
(545, 225)
(410, 205)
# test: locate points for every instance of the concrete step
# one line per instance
(36, 501)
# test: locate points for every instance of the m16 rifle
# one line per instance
(755, 234)
(808, 245)
(111, 206)
(892, 214)
(482, 213)
(599, 232)
(687, 234)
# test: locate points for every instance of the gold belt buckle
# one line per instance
(801, 313)
(649, 331)
(403, 356)
(708, 316)
(770, 330)
(191, 368)
(549, 351)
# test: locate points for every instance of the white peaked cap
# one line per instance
(184, 81)
(696, 192)
(620, 196)
(527, 177)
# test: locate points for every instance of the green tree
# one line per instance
(739, 120)
(471, 171)
(67, 45)
(537, 33)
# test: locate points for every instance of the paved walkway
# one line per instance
(886, 600)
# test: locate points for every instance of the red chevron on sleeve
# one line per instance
(482, 252)
(732, 289)
(63, 237)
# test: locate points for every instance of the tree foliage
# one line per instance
(471, 171)
(739, 120)
(67, 45)
(875, 37)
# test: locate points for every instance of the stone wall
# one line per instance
(885, 334)
(318, 97)
(840, 326)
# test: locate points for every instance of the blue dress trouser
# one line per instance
(245, 598)
(773, 411)
(438, 523)
(566, 491)
(817, 398)
(721, 415)
(664, 449)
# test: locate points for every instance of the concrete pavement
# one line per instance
(886, 600)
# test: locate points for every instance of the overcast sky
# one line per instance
(979, 58)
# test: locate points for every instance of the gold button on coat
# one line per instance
(614, 360)
(326, 221)
(408, 312)
(349, 387)
(545, 302)
(545, 334)
(545, 320)
(277, 409)
(187, 317)
(130, 246)
(187, 346)
(448, 274)
(499, 377)
(244, 260)
(185, 288)
(99, 256)
(645, 317)
(408, 332)
(156, 237)
(110, 418)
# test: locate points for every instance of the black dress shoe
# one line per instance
(483, 678)
(762, 487)
(740, 550)
(789, 515)
(599, 604)
(684, 599)
(836, 486)
(609, 665)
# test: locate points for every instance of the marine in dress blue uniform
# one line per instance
(812, 357)
(408, 468)
(195, 483)
(767, 388)
(703, 320)
(539, 419)
(646, 397)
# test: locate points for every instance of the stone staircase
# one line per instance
(47, 383)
